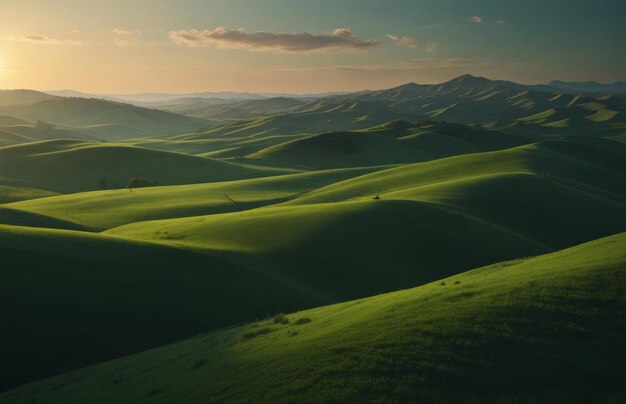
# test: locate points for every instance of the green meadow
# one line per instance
(525, 329)
(454, 242)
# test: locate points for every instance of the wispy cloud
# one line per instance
(500, 22)
(408, 42)
(405, 41)
(431, 46)
(222, 37)
(125, 38)
(124, 43)
(125, 32)
(44, 40)
(475, 20)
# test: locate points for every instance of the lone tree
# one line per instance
(137, 182)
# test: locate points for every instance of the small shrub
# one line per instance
(281, 319)
(292, 333)
(457, 282)
(377, 197)
(443, 283)
(251, 334)
(303, 320)
(137, 182)
(173, 237)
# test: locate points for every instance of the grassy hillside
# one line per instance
(345, 250)
(344, 149)
(23, 218)
(24, 133)
(11, 191)
(129, 120)
(395, 142)
(545, 329)
(72, 166)
(21, 97)
(208, 109)
(106, 209)
(105, 297)
(537, 190)
(281, 205)
(209, 144)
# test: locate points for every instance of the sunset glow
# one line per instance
(300, 46)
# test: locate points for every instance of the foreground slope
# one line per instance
(545, 329)
(68, 299)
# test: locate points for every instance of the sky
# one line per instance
(304, 46)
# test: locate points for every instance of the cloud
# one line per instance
(125, 32)
(222, 37)
(475, 20)
(123, 42)
(431, 46)
(402, 41)
(125, 38)
(75, 31)
(500, 22)
(44, 40)
(409, 42)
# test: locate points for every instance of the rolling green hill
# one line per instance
(345, 250)
(11, 191)
(17, 217)
(22, 97)
(25, 133)
(125, 120)
(344, 149)
(10, 121)
(543, 329)
(204, 143)
(235, 109)
(106, 209)
(395, 142)
(73, 166)
(264, 206)
(538, 190)
(105, 297)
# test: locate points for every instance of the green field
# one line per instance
(454, 242)
(544, 328)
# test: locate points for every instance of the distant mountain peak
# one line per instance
(407, 86)
(469, 80)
